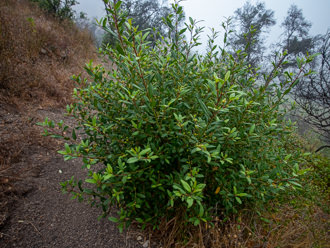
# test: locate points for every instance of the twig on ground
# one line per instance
(29, 222)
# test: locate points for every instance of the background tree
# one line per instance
(296, 32)
(146, 14)
(252, 21)
(295, 39)
(313, 93)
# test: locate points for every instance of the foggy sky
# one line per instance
(213, 12)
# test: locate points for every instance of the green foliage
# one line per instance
(32, 24)
(167, 131)
(317, 180)
(59, 8)
(314, 179)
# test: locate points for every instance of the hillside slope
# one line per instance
(38, 55)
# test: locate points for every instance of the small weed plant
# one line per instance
(59, 8)
(167, 131)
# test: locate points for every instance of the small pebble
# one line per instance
(146, 244)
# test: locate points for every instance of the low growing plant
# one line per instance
(168, 131)
(59, 8)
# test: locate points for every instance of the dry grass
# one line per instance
(300, 228)
(39, 54)
(287, 226)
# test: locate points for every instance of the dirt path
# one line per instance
(44, 217)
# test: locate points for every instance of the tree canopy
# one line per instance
(145, 14)
(295, 36)
(251, 21)
(313, 93)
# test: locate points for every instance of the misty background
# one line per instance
(213, 12)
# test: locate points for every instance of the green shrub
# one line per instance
(59, 8)
(176, 132)
(316, 182)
